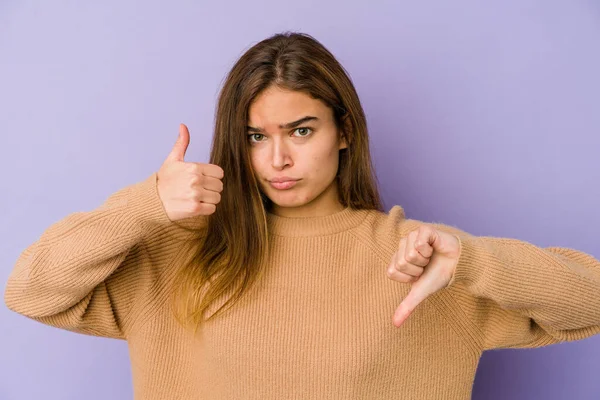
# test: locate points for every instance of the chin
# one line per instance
(287, 199)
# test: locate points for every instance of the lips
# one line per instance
(283, 179)
(282, 184)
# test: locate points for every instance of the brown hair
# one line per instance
(234, 247)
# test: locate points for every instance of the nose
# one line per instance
(281, 156)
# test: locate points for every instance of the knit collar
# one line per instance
(315, 226)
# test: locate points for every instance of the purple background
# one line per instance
(484, 116)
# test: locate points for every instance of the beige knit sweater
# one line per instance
(318, 325)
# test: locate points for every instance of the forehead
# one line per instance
(277, 106)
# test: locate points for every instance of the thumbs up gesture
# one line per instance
(426, 258)
(188, 189)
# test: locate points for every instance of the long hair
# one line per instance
(234, 248)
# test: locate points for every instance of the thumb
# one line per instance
(410, 302)
(181, 145)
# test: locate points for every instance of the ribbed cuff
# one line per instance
(145, 205)
(469, 267)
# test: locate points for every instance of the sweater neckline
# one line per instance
(315, 226)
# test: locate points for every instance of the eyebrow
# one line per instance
(288, 125)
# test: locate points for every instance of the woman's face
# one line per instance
(306, 152)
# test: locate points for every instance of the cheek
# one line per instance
(254, 162)
(257, 167)
(326, 162)
(334, 154)
(255, 158)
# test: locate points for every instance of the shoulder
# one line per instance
(382, 231)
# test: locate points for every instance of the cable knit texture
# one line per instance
(318, 324)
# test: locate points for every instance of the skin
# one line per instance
(309, 152)
(426, 257)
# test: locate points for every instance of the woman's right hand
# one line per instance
(188, 189)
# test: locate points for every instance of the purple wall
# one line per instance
(482, 116)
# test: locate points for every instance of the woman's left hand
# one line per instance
(427, 258)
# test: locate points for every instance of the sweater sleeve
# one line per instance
(513, 294)
(81, 274)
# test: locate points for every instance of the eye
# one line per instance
(254, 134)
(305, 128)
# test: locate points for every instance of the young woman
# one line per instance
(272, 272)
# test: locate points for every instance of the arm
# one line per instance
(512, 294)
(83, 273)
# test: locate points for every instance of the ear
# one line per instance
(345, 128)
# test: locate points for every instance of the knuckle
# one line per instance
(194, 207)
(412, 254)
(194, 180)
(400, 262)
(194, 193)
